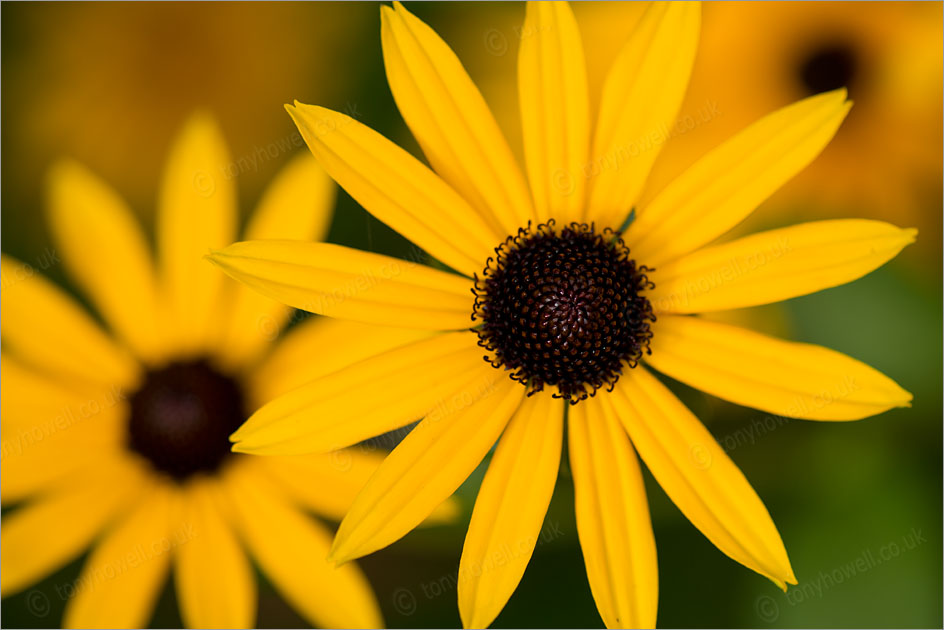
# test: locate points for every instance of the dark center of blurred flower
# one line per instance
(563, 308)
(828, 66)
(182, 416)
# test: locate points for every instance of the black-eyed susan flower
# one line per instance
(885, 161)
(571, 312)
(119, 439)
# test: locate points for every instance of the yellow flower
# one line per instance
(123, 438)
(885, 162)
(564, 307)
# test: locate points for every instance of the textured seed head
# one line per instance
(563, 308)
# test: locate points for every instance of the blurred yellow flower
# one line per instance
(563, 306)
(885, 162)
(121, 436)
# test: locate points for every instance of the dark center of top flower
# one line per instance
(182, 416)
(563, 308)
(828, 66)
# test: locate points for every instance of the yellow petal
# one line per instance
(425, 469)
(196, 212)
(122, 578)
(451, 121)
(298, 205)
(797, 380)
(641, 98)
(44, 535)
(44, 451)
(379, 394)
(510, 509)
(324, 483)
(319, 346)
(555, 110)
(726, 185)
(215, 584)
(342, 282)
(776, 265)
(45, 328)
(613, 524)
(104, 249)
(698, 476)
(328, 483)
(54, 429)
(34, 401)
(291, 550)
(397, 189)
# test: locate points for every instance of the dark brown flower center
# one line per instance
(828, 66)
(563, 308)
(182, 416)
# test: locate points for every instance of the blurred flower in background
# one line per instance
(120, 439)
(109, 84)
(885, 161)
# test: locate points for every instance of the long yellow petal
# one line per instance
(37, 402)
(510, 509)
(776, 265)
(298, 205)
(319, 346)
(613, 523)
(425, 469)
(44, 535)
(555, 110)
(44, 327)
(122, 578)
(698, 476)
(196, 212)
(369, 398)
(641, 98)
(342, 282)
(324, 483)
(797, 380)
(451, 121)
(215, 584)
(397, 188)
(726, 185)
(45, 451)
(328, 483)
(104, 249)
(291, 548)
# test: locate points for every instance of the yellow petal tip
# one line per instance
(337, 558)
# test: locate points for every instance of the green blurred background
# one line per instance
(858, 504)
